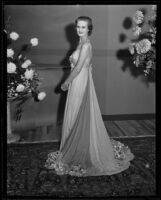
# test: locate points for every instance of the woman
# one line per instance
(86, 149)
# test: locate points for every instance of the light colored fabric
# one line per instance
(74, 99)
(86, 149)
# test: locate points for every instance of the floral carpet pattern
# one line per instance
(27, 176)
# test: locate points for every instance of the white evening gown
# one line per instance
(86, 149)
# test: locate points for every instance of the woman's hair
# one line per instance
(89, 20)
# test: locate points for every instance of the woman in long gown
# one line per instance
(85, 149)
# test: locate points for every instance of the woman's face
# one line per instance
(82, 28)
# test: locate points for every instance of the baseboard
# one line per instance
(129, 117)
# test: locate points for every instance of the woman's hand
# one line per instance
(65, 86)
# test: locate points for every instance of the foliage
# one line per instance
(143, 47)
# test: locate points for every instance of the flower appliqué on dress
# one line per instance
(54, 161)
(120, 150)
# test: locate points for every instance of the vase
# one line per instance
(11, 137)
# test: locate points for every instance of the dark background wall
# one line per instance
(119, 89)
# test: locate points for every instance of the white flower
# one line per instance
(11, 67)
(137, 31)
(24, 65)
(29, 74)
(28, 62)
(14, 36)
(20, 88)
(138, 17)
(143, 46)
(10, 53)
(34, 41)
(41, 95)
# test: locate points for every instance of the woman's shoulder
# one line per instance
(87, 45)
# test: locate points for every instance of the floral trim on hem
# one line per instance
(54, 161)
(120, 150)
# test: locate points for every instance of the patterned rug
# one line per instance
(26, 175)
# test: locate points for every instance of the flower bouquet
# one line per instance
(143, 47)
(22, 79)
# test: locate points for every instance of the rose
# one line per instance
(29, 74)
(28, 62)
(20, 88)
(143, 46)
(138, 17)
(14, 36)
(11, 67)
(24, 65)
(41, 96)
(34, 41)
(10, 53)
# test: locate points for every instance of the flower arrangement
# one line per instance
(143, 47)
(22, 79)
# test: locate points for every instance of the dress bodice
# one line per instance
(74, 58)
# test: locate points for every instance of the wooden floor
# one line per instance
(130, 128)
(115, 129)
